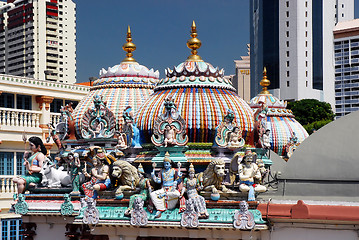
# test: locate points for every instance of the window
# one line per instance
(306, 63)
(287, 43)
(7, 100)
(11, 229)
(306, 53)
(306, 33)
(287, 13)
(342, 14)
(287, 73)
(287, 83)
(287, 63)
(306, 13)
(306, 43)
(306, 73)
(287, 23)
(306, 23)
(6, 163)
(287, 33)
(287, 53)
(20, 168)
(56, 105)
(306, 83)
(306, 3)
(287, 3)
(342, 5)
(23, 102)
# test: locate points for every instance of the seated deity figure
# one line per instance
(234, 138)
(266, 139)
(100, 180)
(121, 143)
(191, 185)
(166, 197)
(169, 136)
(248, 173)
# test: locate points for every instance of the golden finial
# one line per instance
(194, 43)
(129, 47)
(265, 82)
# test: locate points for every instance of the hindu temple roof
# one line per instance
(120, 86)
(202, 97)
(280, 121)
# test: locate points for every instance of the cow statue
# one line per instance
(52, 177)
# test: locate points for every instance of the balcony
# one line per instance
(19, 118)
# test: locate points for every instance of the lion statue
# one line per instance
(126, 176)
(212, 177)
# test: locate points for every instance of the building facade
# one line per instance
(26, 106)
(293, 39)
(241, 80)
(38, 39)
(346, 47)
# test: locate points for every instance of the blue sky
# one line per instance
(160, 30)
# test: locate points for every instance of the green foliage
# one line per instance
(316, 125)
(307, 111)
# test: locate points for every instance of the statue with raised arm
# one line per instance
(75, 165)
(166, 197)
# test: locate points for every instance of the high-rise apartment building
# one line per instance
(346, 50)
(38, 39)
(294, 40)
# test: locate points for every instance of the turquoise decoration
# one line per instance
(66, 207)
(21, 207)
(216, 215)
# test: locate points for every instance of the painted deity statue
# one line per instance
(248, 173)
(166, 197)
(191, 185)
(229, 135)
(129, 129)
(75, 165)
(266, 140)
(145, 187)
(100, 180)
(169, 128)
(260, 122)
(33, 162)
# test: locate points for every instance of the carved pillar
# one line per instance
(71, 231)
(44, 105)
(28, 233)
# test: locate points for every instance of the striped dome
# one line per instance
(126, 84)
(280, 122)
(202, 98)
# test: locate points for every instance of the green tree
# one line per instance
(311, 113)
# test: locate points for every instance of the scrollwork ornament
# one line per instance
(91, 213)
(66, 207)
(189, 217)
(21, 207)
(243, 218)
(138, 214)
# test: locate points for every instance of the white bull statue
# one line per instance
(52, 177)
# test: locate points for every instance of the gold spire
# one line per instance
(129, 47)
(194, 43)
(265, 82)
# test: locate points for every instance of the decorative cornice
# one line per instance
(129, 85)
(44, 99)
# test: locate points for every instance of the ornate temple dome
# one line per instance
(280, 121)
(202, 96)
(125, 84)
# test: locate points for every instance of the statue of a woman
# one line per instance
(191, 185)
